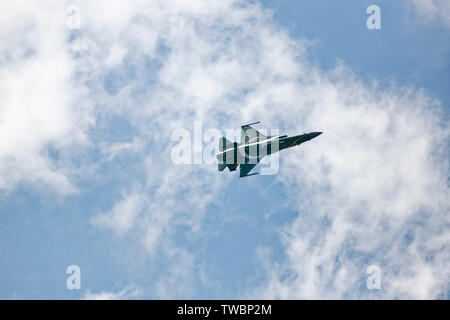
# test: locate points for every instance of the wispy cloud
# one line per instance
(122, 217)
(39, 110)
(432, 11)
(129, 292)
(374, 185)
(374, 191)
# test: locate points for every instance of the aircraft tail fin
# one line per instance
(248, 133)
(224, 143)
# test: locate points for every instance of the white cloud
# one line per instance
(38, 110)
(122, 217)
(432, 11)
(371, 190)
(115, 57)
(177, 281)
(376, 175)
(375, 192)
(112, 150)
(129, 292)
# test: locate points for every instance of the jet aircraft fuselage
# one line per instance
(253, 147)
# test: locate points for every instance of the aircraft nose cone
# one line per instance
(315, 134)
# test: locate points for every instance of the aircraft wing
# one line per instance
(247, 133)
(245, 169)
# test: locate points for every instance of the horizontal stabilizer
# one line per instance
(248, 175)
(250, 124)
(245, 168)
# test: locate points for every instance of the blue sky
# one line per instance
(404, 51)
(87, 177)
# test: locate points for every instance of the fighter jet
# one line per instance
(253, 147)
